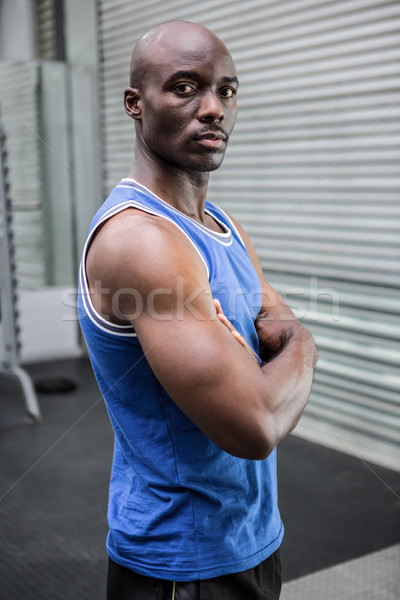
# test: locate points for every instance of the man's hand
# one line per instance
(276, 324)
(238, 336)
(275, 333)
(275, 327)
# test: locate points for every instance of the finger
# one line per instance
(241, 339)
(225, 321)
(218, 306)
(245, 345)
(238, 336)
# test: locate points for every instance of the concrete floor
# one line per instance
(373, 577)
(342, 516)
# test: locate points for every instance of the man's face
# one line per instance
(189, 101)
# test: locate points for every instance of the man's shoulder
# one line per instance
(134, 245)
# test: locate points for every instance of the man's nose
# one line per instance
(210, 108)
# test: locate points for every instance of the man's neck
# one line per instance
(185, 191)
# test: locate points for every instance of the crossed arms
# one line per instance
(195, 353)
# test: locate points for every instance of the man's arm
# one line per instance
(244, 409)
(275, 320)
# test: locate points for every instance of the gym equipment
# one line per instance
(9, 336)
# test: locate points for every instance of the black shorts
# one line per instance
(263, 582)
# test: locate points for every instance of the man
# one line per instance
(175, 312)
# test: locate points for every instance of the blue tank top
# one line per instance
(180, 508)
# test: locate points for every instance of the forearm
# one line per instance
(265, 404)
(277, 393)
(288, 380)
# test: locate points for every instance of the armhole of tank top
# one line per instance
(234, 228)
(99, 321)
(95, 317)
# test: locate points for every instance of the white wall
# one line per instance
(49, 327)
(17, 16)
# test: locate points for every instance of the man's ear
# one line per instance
(133, 103)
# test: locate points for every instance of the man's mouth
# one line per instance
(212, 139)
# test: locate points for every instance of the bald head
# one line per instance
(163, 41)
(182, 96)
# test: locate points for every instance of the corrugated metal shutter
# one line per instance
(313, 174)
(19, 83)
(45, 29)
(50, 29)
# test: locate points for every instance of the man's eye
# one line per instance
(228, 92)
(184, 88)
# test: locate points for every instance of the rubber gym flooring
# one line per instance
(53, 496)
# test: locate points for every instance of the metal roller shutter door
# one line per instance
(45, 18)
(312, 173)
(19, 83)
(21, 115)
